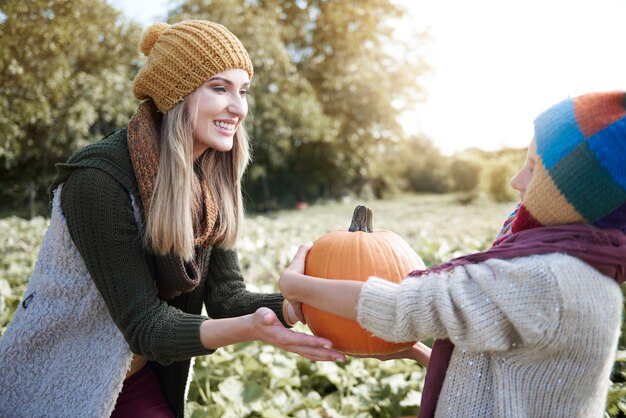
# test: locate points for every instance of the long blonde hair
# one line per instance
(173, 214)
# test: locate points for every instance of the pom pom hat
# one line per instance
(182, 56)
(580, 174)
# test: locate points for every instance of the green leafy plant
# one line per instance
(255, 380)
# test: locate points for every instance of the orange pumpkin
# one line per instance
(357, 254)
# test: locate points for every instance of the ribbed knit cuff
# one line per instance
(276, 304)
(377, 307)
(188, 343)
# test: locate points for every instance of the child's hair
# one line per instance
(580, 174)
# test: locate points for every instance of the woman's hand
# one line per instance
(267, 328)
(293, 314)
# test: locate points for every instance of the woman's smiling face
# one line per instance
(217, 109)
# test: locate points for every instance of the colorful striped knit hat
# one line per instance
(580, 174)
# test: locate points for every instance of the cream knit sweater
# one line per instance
(534, 336)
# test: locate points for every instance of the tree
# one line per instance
(363, 75)
(327, 89)
(285, 116)
(65, 72)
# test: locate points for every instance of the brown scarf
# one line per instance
(603, 249)
(173, 275)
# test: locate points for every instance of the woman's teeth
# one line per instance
(224, 125)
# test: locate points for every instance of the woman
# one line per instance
(141, 235)
(528, 328)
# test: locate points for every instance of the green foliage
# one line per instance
(65, 71)
(363, 76)
(255, 380)
(464, 174)
(330, 79)
(497, 175)
(20, 241)
(498, 169)
(327, 89)
(421, 165)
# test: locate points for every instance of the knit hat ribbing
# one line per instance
(183, 56)
(580, 174)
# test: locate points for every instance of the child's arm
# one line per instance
(337, 296)
(419, 352)
(492, 306)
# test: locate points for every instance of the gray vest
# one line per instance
(62, 355)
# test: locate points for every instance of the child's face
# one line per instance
(521, 180)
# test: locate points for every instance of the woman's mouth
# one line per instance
(225, 128)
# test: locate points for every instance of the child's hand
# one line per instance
(418, 352)
(338, 297)
(288, 282)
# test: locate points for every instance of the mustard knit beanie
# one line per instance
(183, 56)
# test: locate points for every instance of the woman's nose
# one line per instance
(238, 105)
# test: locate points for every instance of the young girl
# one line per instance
(141, 235)
(528, 328)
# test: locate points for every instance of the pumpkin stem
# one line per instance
(361, 220)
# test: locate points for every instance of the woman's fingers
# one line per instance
(317, 354)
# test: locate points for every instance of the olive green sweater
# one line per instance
(102, 206)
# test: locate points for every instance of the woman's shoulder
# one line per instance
(109, 155)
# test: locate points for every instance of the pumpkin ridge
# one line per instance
(371, 258)
(391, 242)
(328, 253)
(387, 253)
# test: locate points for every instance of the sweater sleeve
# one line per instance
(493, 306)
(101, 222)
(227, 295)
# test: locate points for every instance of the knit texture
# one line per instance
(174, 274)
(183, 56)
(102, 209)
(518, 325)
(581, 164)
(62, 354)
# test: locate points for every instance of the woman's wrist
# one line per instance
(289, 319)
(216, 333)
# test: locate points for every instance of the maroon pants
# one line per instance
(141, 396)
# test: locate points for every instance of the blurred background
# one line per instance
(349, 99)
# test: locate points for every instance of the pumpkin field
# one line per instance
(256, 380)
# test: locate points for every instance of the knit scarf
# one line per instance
(174, 275)
(603, 249)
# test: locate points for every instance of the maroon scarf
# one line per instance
(603, 249)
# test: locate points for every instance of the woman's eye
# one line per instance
(219, 89)
(244, 92)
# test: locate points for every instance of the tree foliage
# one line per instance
(65, 71)
(330, 80)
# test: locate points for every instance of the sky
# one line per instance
(497, 64)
